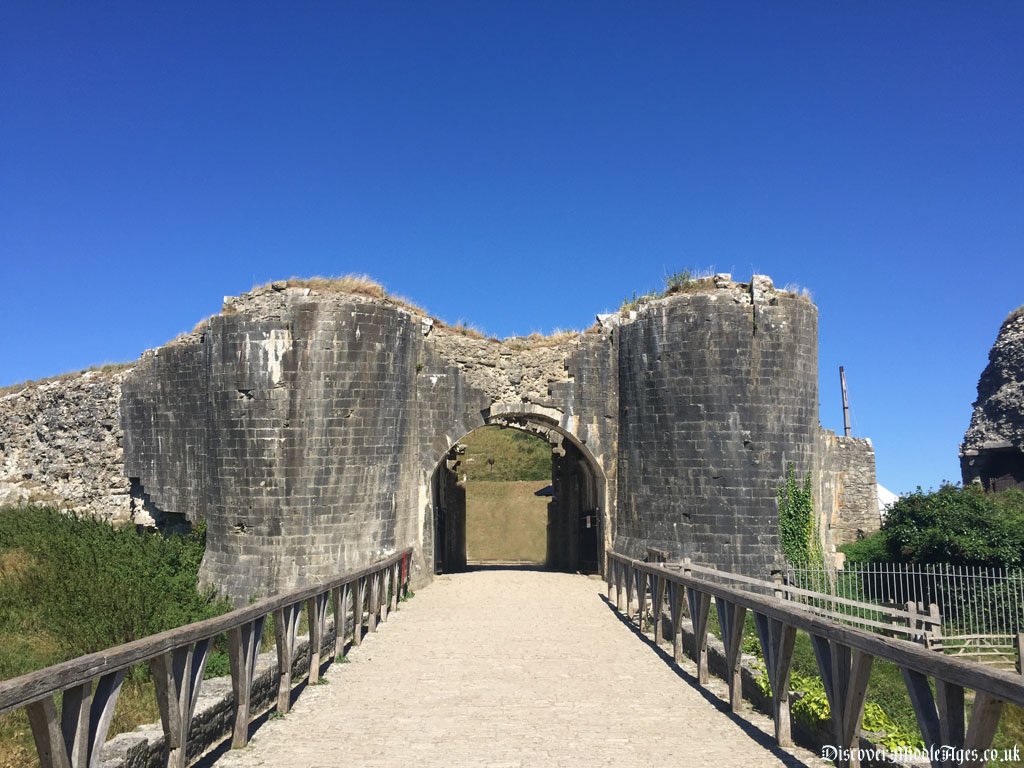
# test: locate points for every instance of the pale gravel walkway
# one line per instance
(509, 668)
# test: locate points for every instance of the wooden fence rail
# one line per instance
(89, 685)
(844, 655)
(886, 619)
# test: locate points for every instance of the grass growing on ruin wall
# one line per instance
(74, 585)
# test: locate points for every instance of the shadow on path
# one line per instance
(765, 740)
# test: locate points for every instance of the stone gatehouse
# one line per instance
(313, 430)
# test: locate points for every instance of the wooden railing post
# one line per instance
(777, 643)
(316, 617)
(340, 597)
(358, 598)
(286, 624)
(640, 579)
(243, 648)
(373, 604)
(700, 608)
(913, 622)
(630, 588)
(933, 628)
(385, 595)
(620, 586)
(75, 737)
(658, 604)
(731, 619)
(396, 580)
(675, 607)
(178, 676)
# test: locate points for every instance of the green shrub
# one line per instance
(88, 585)
(870, 549)
(957, 525)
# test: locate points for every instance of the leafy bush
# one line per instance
(955, 525)
(89, 585)
(870, 549)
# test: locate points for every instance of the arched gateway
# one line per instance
(310, 428)
(577, 513)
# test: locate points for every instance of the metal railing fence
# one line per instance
(973, 611)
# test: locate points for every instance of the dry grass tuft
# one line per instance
(14, 563)
(354, 284)
(104, 368)
(137, 705)
(361, 285)
(462, 328)
(797, 292)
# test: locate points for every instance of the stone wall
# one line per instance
(60, 444)
(846, 492)
(993, 449)
(306, 428)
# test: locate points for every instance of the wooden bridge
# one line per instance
(502, 667)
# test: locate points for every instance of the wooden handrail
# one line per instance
(178, 656)
(844, 655)
(790, 589)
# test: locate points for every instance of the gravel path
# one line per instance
(511, 668)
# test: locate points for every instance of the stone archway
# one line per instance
(577, 514)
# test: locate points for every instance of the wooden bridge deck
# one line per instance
(511, 668)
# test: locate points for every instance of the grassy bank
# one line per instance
(71, 586)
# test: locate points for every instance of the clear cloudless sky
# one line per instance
(522, 166)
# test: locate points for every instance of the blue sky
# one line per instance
(522, 167)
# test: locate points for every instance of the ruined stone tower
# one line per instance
(993, 449)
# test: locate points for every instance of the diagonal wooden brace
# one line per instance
(178, 675)
(777, 643)
(340, 596)
(286, 624)
(700, 608)
(845, 673)
(316, 614)
(731, 618)
(74, 740)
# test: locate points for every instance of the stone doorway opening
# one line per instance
(485, 516)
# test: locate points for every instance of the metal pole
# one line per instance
(846, 402)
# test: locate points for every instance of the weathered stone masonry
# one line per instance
(307, 428)
(60, 444)
(992, 453)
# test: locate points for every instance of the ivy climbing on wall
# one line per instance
(798, 531)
